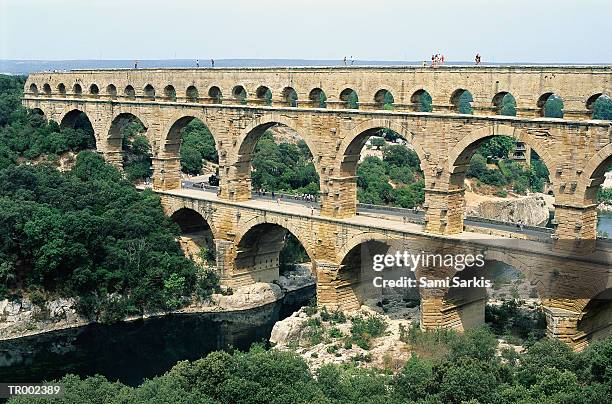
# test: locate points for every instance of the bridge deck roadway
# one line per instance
(394, 222)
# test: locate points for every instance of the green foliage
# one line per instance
(478, 169)
(508, 105)
(198, 144)
(284, 167)
(364, 329)
(401, 165)
(604, 195)
(469, 372)
(335, 317)
(388, 101)
(463, 102)
(400, 155)
(553, 107)
(497, 147)
(409, 196)
(136, 152)
(401, 175)
(268, 97)
(292, 253)
(602, 109)
(322, 100)
(416, 379)
(424, 102)
(377, 142)
(88, 233)
(352, 101)
(508, 172)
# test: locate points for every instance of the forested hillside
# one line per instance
(84, 233)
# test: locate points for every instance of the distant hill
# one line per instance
(31, 66)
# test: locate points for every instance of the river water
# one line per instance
(132, 351)
(604, 224)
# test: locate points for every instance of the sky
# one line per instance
(538, 31)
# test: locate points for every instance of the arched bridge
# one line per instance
(335, 110)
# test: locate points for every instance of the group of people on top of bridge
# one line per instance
(305, 197)
(351, 61)
(437, 60)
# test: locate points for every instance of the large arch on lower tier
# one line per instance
(462, 308)
(245, 146)
(593, 174)
(204, 213)
(354, 284)
(258, 247)
(197, 234)
(460, 155)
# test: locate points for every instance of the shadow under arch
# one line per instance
(196, 234)
(596, 320)
(464, 307)
(355, 275)
(79, 120)
(594, 174)
(258, 248)
(38, 111)
(245, 145)
(460, 155)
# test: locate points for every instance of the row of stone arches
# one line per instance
(350, 147)
(548, 104)
(256, 259)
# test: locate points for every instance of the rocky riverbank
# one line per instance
(20, 317)
(373, 336)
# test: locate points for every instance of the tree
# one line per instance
(477, 167)
(388, 101)
(352, 101)
(602, 109)
(400, 155)
(268, 97)
(198, 144)
(508, 105)
(464, 103)
(377, 142)
(553, 107)
(191, 161)
(416, 380)
(322, 100)
(425, 102)
(497, 146)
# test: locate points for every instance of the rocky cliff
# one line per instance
(530, 210)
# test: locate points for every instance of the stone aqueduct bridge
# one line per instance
(231, 102)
